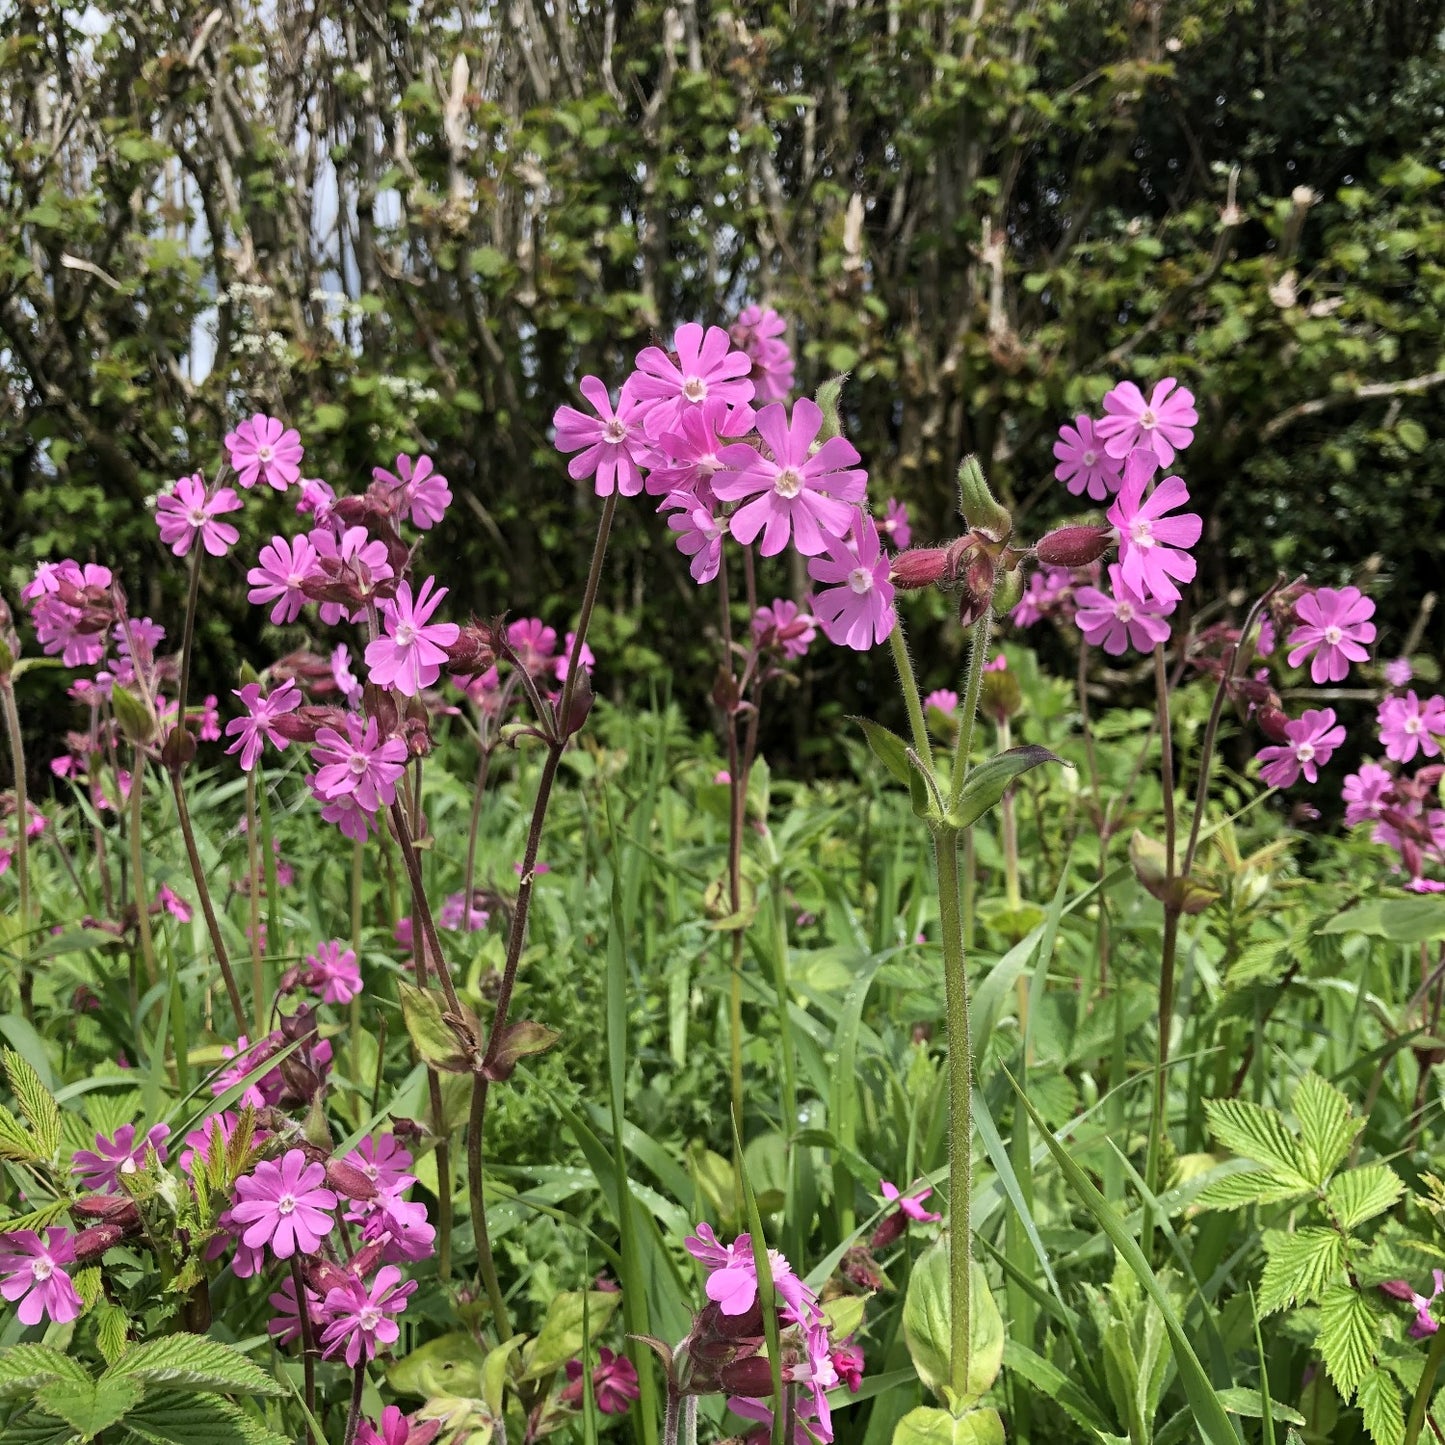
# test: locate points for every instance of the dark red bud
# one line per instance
(1074, 546)
(417, 737)
(107, 1209)
(746, 1326)
(861, 1270)
(581, 706)
(1272, 724)
(321, 1275)
(752, 1376)
(919, 567)
(473, 651)
(91, 1243)
(347, 1179)
(178, 749)
(368, 1256)
(890, 1231)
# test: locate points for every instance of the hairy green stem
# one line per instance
(909, 683)
(968, 713)
(1420, 1406)
(22, 840)
(188, 635)
(253, 902)
(137, 868)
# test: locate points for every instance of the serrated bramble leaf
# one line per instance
(111, 1331)
(1379, 1400)
(35, 1102)
(204, 1420)
(90, 1407)
(1259, 1134)
(1361, 1194)
(35, 1428)
(1349, 1336)
(16, 1141)
(87, 1285)
(37, 1220)
(1326, 1128)
(1249, 1186)
(1299, 1266)
(24, 1368)
(193, 1362)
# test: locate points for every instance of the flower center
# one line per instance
(1141, 532)
(127, 1165)
(1333, 636)
(1305, 752)
(405, 635)
(1124, 611)
(41, 1270)
(286, 1204)
(1091, 458)
(615, 432)
(1148, 420)
(860, 579)
(357, 764)
(1412, 724)
(788, 483)
(368, 1317)
(694, 388)
(264, 454)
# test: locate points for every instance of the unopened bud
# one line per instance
(890, 1231)
(752, 1376)
(347, 1179)
(918, 567)
(136, 720)
(1272, 724)
(830, 396)
(1074, 546)
(579, 708)
(1007, 593)
(179, 748)
(91, 1243)
(981, 510)
(108, 1209)
(473, 651)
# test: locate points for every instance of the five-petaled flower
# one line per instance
(411, 655)
(1309, 741)
(285, 1205)
(265, 450)
(284, 565)
(857, 609)
(704, 366)
(259, 725)
(423, 490)
(360, 1316)
(360, 763)
(35, 1277)
(1121, 621)
(186, 512)
(1334, 625)
(1152, 546)
(100, 1168)
(1163, 424)
(610, 446)
(1408, 726)
(1084, 464)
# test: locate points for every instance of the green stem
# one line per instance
(137, 868)
(1421, 1403)
(22, 839)
(968, 712)
(960, 1103)
(916, 722)
(188, 636)
(356, 882)
(308, 1343)
(253, 899)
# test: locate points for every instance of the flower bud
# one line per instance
(179, 748)
(752, 1376)
(473, 651)
(1074, 546)
(136, 719)
(861, 1270)
(919, 567)
(893, 1227)
(347, 1179)
(579, 708)
(1272, 724)
(108, 1209)
(978, 505)
(830, 395)
(91, 1243)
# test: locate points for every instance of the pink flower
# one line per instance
(1050, 591)
(586, 661)
(706, 366)
(614, 1383)
(348, 815)
(686, 460)
(285, 1205)
(315, 499)
(894, 528)
(858, 612)
(786, 626)
(1163, 425)
(355, 558)
(758, 331)
(173, 903)
(359, 1316)
(1366, 793)
(732, 1282)
(796, 492)
(347, 683)
(610, 445)
(396, 1429)
(359, 764)
(1408, 726)
(910, 1204)
(1398, 671)
(284, 566)
(259, 724)
(285, 1327)
(1122, 621)
(1424, 1323)
(402, 1229)
(35, 1276)
(210, 720)
(534, 643)
(185, 512)
(848, 1362)
(700, 532)
(263, 450)
(100, 1168)
(454, 910)
(1084, 465)
(1151, 554)
(807, 1428)
(1334, 624)
(945, 700)
(1311, 738)
(411, 655)
(385, 1161)
(424, 490)
(335, 970)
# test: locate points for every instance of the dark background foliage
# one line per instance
(413, 226)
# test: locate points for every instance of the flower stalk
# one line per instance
(22, 839)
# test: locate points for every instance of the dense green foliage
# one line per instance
(405, 229)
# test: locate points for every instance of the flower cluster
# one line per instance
(685, 428)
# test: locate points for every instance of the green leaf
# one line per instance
(37, 1429)
(1379, 1400)
(193, 1362)
(1055, 1385)
(988, 782)
(436, 1043)
(1259, 1134)
(560, 1338)
(88, 1408)
(35, 1102)
(448, 1365)
(1400, 920)
(204, 1420)
(1248, 1186)
(16, 1141)
(494, 1372)
(1326, 1129)
(1349, 1336)
(927, 1319)
(1250, 1404)
(887, 747)
(111, 1331)
(1299, 1266)
(25, 1368)
(1361, 1194)
(929, 1426)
